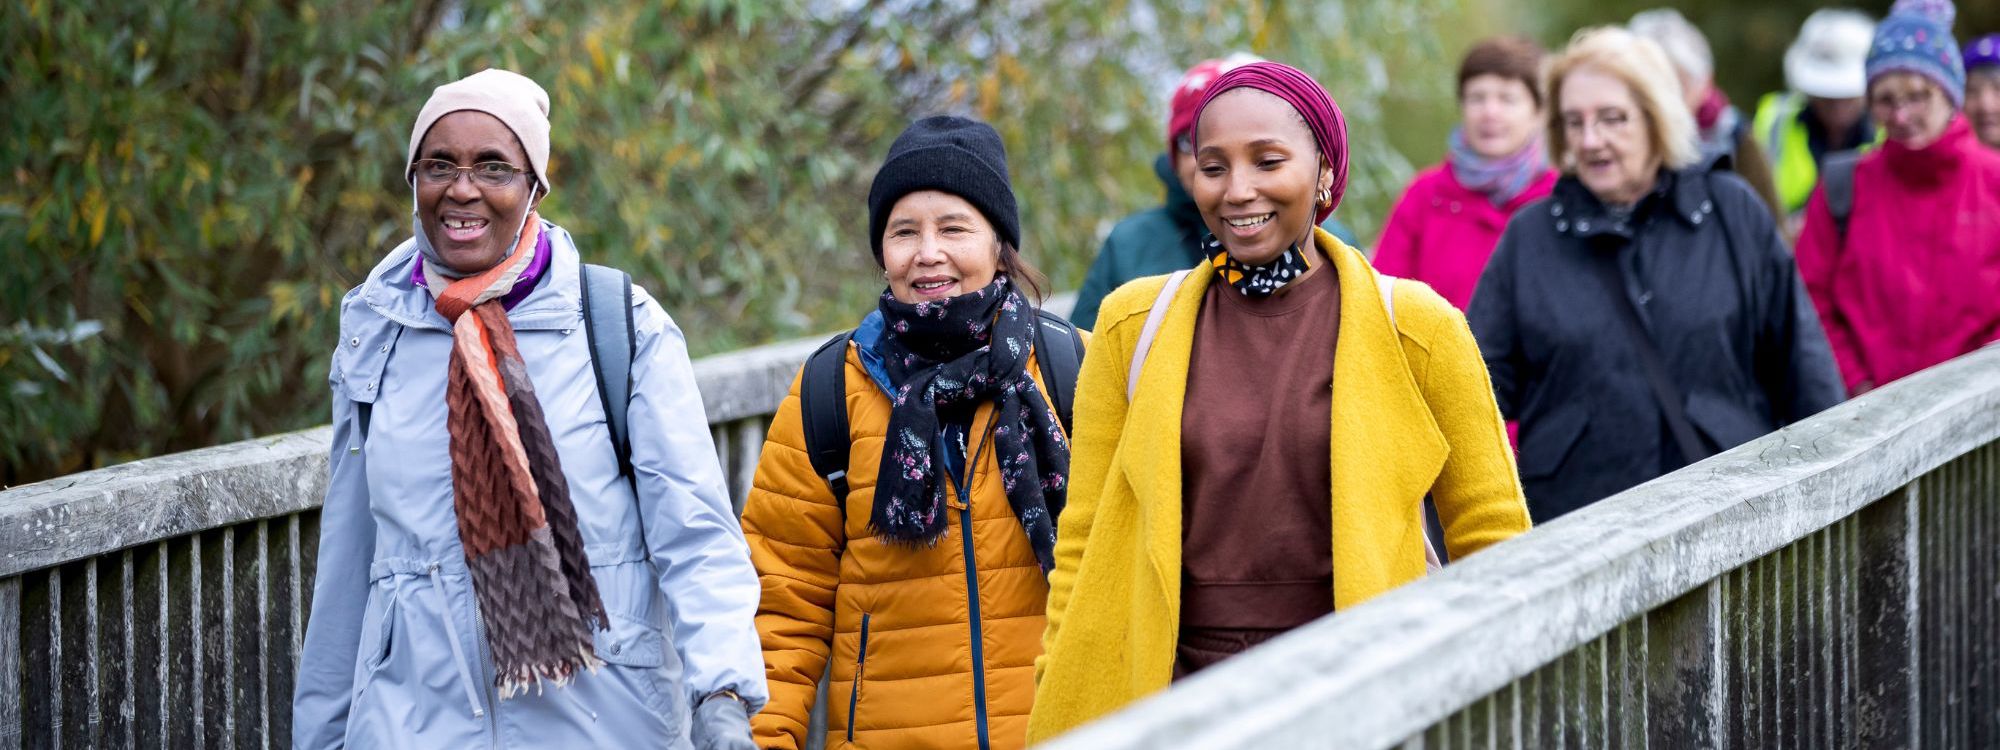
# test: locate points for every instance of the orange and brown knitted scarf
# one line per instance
(530, 576)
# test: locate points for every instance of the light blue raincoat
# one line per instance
(395, 652)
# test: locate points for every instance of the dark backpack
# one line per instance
(607, 310)
(1836, 177)
(823, 394)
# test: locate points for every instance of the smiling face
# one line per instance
(1911, 109)
(472, 225)
(1609, 139)
(1257, 171)
(1982, 103)
(937, 245)
(1500, 115)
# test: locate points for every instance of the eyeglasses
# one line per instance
(1610, 121)
(1889, 102)
(493, 174)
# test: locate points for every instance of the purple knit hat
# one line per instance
(1916, 38)
(1982, 52)
(1322, 115)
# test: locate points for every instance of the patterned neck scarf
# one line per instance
(1500, 180)
(522, 287)
(530, 577)
(947, 357)
(1256, 282)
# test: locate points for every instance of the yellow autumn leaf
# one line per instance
(595, 44)
(284, 301)
(99, 210)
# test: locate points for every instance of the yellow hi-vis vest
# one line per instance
(1783, 138)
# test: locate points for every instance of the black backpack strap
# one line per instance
(1059, 363)
(1650, 361)
(823, 412)
(606, 313)
(1836, 177)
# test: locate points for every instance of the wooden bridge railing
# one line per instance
(1832, 585)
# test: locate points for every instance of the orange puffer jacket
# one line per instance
(931, 647)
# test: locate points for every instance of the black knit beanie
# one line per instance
(956, 155)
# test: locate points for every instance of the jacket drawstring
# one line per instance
(457, 650)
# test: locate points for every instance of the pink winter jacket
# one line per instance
(1917, 279)
(1441, 232)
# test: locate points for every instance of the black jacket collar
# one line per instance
(1683, 195)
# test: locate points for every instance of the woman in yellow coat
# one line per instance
(1269, 463)
(922, 589)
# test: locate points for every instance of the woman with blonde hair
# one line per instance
(1255, 437)
(1647, 314)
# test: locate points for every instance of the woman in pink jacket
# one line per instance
(1909, 274)
(1446, 224)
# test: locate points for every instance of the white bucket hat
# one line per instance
(1829, 59)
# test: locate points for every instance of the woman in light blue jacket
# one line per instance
(488, 574)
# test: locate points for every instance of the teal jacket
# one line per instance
(1158, 240)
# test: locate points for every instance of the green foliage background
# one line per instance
(187, 188)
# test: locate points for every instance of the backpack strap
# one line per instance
(1154, 317)
(1059, 364)
(1836, 177)
(607, 311)
(1387, 285)
(823, 411)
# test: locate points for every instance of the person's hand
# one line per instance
(722, 722)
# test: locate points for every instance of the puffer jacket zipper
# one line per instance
(966, 475)
(860, 668)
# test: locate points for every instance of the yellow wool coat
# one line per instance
(1413, 413)
(895, 620)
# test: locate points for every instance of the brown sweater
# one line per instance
(1256, 488)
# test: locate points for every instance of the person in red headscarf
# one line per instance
(1167, 237)
(1263, 428)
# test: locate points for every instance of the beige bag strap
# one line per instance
(1154, 318)
(1387, 284)
(1158, 315)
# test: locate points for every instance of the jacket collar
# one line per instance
(1179, 204)
(1934, 164)
(868, 341)
(1681, 195)
(1385, 442)
(556, 303)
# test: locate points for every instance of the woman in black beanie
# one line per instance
(932, 631)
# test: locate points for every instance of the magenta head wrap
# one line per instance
(1322, 116)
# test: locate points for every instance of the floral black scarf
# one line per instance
(1255, 281)
(944, 359)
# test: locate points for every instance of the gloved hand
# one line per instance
(722, 722)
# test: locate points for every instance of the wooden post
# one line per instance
(10, 663)
(1886, 710)
(1684, 671)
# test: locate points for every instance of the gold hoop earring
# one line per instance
(1324, 197)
